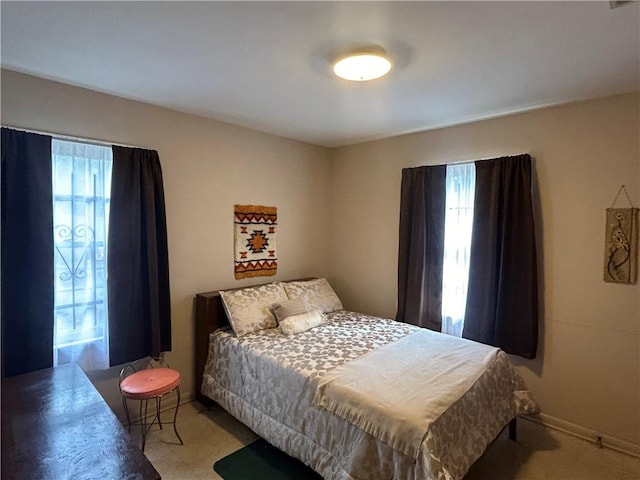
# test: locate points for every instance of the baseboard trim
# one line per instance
(597, 438)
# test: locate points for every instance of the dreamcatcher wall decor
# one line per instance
(621, 243)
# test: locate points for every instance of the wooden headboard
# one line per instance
(210, 316)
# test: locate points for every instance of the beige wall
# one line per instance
(338, 216)
(588, 369)
(208, 167)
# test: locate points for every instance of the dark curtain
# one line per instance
(502, 303)
(138, 263)
(27, 252)
(421, 246)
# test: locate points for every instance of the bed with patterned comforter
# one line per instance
(412, 419)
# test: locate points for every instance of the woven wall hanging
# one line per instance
(255, 240)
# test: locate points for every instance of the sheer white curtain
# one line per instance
(460, 192)
(81, 191)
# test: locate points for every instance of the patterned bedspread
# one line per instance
(268, 381)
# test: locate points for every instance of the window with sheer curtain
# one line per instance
(81, 176)
(458, 226)
(55, 302)
(481, 281)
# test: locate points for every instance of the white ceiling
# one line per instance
(266, 65)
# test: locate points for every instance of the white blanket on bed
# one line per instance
(383, 392)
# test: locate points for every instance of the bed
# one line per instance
(355, 397)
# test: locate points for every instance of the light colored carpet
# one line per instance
(539, 453)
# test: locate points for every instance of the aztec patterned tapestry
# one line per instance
(255, 240)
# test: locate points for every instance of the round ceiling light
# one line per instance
(362, 66)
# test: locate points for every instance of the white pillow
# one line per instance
(301, 323)
(249, 309)
(317, 293)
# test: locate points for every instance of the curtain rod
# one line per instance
(60, 136)
(456, 162)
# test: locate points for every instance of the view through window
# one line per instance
(81, 192)
(460, 193)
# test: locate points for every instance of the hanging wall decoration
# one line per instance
(621, 243)
(255, 240)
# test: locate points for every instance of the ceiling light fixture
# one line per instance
(363, 65)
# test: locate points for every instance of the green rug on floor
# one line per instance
(261, 461)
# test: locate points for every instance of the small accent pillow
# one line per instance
(301, 323)
(318, 294)
(289, 308)
(249, 309)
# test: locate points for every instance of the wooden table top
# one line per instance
(55, 425)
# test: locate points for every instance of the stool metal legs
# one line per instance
(158, 400)
(126, 411)
(143, 417)
(175, 415)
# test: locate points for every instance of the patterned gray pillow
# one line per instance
(249, 309)
(318, 294)
(290, 308)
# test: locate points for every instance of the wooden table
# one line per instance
(55, 425)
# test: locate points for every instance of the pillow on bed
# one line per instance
(317, 293)
(289, 308)
(301, 323)
(249, 309)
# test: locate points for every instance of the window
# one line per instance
(460, 192)
(55, 276)
(469, 228)
(81, 192)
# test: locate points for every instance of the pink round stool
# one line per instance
(146, 384)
